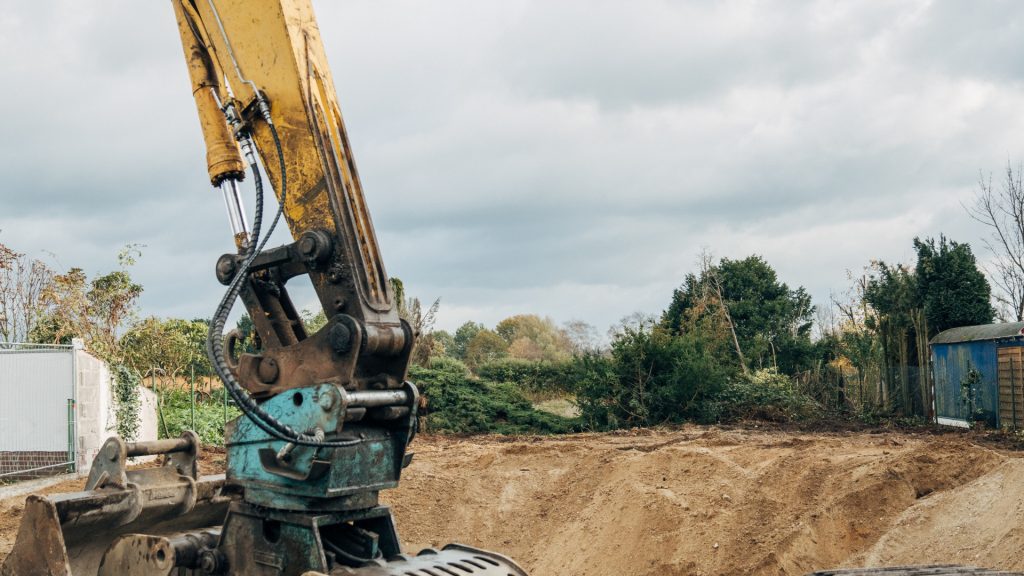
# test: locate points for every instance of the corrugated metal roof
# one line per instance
(982, 332)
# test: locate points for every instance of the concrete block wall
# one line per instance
(94, 407)
(97, 413)
(148, 416)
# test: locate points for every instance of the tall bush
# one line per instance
(458, 402)
(652, 377)
(761, 395)
(536, 377)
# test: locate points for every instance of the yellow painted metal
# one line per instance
(223, 159)
(274, 46)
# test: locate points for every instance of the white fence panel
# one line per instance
(36, 387)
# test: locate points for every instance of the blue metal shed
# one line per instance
(978, 372)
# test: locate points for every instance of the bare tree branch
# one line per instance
(22, 283)
(708, 271)
(1002, 212)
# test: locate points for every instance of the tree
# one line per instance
(893, 295)
(703, 295)
(249, 340)
(858, 345)
(22, 284)
(463, 335)
(530, 337)
(174, 346)
(1002, 211)
(485, 346)
(94, 310)
(950, 287)
(198, 329)
(635, 320)
(421, 320)
(582, 337)
(444, 343)
(313, 322)
(770, 323)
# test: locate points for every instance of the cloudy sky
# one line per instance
(565, 158)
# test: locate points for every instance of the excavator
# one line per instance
(327, 416)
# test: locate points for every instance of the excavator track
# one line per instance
(932, 570)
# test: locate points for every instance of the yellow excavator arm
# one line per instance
(259, 74)
(249, 53)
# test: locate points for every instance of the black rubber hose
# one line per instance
(352, 558)
(214, 338)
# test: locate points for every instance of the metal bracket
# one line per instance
(275, 465)
(109, 467)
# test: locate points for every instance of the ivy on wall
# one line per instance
(127, 401)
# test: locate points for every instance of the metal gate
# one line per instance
(37, 410)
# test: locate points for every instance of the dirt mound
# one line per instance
(693, 502)
(981, 523)
(707, 501)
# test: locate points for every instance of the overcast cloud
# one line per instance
(564, 158)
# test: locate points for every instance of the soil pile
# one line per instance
(706, 501)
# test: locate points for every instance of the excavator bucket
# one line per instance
(70, 534)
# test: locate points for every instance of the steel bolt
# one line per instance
(340, 338)
(326, 401)
(315, 246)
(227, 267)
(268, 370)
(209, 562)
(308, 246)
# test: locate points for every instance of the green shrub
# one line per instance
(527, 373)
(598, 390)
(459, 403)
(541, 380)
(653, 377)
(449, 364)
(176, 415)
(762, 395)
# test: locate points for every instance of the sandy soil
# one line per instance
(707, 501)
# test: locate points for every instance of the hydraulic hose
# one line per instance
(214, 338)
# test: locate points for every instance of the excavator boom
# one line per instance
(327, 415)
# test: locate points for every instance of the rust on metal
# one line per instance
(69, 534)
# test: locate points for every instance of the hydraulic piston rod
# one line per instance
(236, 213)
(374, 398)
